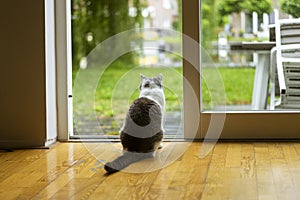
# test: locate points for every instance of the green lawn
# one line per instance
(238, 84)
(119, 84)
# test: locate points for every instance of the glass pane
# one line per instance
(237, 38)
(113, 43)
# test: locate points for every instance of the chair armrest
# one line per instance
(281, 80)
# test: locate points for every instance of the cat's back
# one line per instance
(142, 123)
(143, 111)
(143, 118)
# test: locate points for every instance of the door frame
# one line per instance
(237, 125)
(231, 125)
(63, 42)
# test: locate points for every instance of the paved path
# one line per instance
(109, 127)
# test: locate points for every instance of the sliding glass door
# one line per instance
(228, 72)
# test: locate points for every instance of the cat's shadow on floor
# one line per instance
(165, 156)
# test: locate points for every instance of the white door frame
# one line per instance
(64, 69)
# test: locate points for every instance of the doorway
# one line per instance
(112, 43)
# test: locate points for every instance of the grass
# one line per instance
(118, 87)
(236, 83)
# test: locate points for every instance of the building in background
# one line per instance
(249, 25)
(160, 14)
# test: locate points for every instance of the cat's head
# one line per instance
(151, 83)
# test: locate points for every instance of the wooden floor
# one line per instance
(231, 171)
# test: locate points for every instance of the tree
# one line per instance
(291, 7)
(259, 6)
(227, 7)
(208, 21)
(177, 23)
(93, 21)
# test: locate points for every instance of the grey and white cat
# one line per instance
(142, 131)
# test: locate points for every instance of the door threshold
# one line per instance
(98, 138)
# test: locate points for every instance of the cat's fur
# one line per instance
(142, 131)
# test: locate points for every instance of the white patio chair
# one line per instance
(285, 65)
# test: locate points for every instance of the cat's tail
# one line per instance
(125, 160)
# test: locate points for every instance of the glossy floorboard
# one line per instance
(230, 171)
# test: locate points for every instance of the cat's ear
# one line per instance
(142, 77)
(159, 77)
